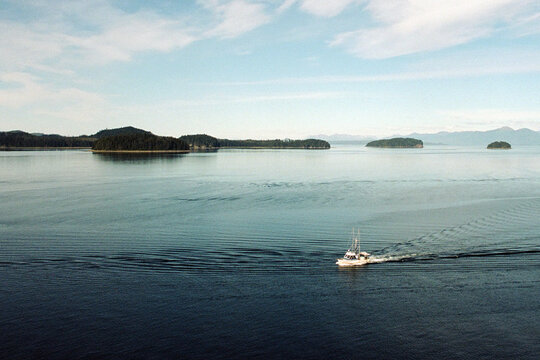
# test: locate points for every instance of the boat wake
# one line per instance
(512, 231)
(377, 259)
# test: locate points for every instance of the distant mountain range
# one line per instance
(514, 137)
(480, 138)
(342, 137)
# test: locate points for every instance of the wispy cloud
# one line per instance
(477, 71)
(286, 5)
(411, 26)
(23, 46)
(288, 97)
(236, 17)
(24, 89)
(96, 32)
(243, 99)
(325, 8)
(131, 34)
(52, 39)
(35, 102)
(527, 26)
(321, 8)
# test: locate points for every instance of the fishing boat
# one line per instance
(353, 256)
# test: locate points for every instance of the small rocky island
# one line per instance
(499, 145)
(140, 143)
(397, 143)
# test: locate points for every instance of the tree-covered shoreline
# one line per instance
(203, 141)
(133, 139)
(21, 139)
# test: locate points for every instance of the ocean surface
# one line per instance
(231, 254)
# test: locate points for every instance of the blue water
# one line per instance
(231, 254)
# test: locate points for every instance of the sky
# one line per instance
(269, 68)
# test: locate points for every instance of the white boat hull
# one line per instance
(353, 262)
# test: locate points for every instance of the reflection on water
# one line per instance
(204, 150)
(138, 157)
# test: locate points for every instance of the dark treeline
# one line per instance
(397, 143)
(207, 141)
(201, 141)
(20, 139)
(136, 142)
(128, 130)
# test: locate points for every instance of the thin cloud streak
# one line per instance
(236, 17)
(27, 90)
(325, 8)
(320, 8)
(406, 76)
(256, 99)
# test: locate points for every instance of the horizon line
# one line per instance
(369, 136)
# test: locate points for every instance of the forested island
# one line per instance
(141, 142)
(127, 130)
(203, 141)
(499, 145)
(132, 139)
(397, 143)
(276, 144)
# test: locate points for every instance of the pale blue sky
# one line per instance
(269, 68)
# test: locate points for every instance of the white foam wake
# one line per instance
(376, 259)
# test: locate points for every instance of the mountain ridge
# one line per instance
(522, 136)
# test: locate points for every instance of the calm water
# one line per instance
(232, 254)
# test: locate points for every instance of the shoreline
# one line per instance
(271, 147)
(38, 148)
(397, 147)
(42, 148)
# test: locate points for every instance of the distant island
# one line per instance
(397, 143)
(499, 145)
(131, 139)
